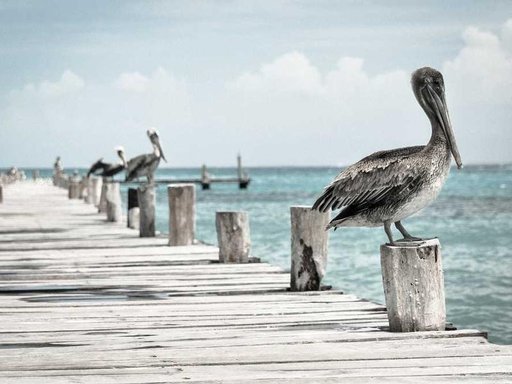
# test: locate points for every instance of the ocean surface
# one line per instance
(472, 217)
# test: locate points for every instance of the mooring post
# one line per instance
(146, 196)
(113, 197)
(233, 236)
(243, 179)
(414, 287)
(102, 205)
(132, 220)
(182, 211)
(82, 188)
(309, 246)
(88, 189)
(73, 188)
(97, 184)
(205, 177)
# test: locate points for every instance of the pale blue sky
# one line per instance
(285, 82)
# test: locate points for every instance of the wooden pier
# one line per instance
(83, 300)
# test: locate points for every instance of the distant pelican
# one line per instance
(146, 165)
(389, 186)
(100, 168)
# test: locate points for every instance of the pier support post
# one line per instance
(113, 198)
(82, 188)
(102, 205)
(205, 178)
(414, 287)
(233, 236)
(146, 196)
(88, 190)
(182, 221)
(309, 245)
(97, 184)
(1, 194)
(73, 189)
(132, 220)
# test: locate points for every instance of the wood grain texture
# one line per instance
(87, 301)
(147, 200)
(182, 211)
(414, 287)
(309, 247)
(233, 236)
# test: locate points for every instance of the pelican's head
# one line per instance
(120, 152)
(428, 86)
(155, 140)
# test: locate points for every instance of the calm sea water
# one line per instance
(472, 218)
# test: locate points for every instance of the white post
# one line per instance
(414, 287)
(97, 185)
(233, 236)
(113, 198)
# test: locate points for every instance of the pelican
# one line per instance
(108, 169)
(388, 186)
(145, 165)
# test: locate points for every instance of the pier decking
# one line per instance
(86, 301)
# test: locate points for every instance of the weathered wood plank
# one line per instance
(96, 304)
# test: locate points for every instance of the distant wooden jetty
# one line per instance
(86, 300)
(206, 180)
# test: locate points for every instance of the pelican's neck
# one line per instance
(156, 151)
(438, 137)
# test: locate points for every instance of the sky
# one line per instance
(283, 82)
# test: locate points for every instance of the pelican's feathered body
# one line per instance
(146, 165)
(100, 168)
(389, 186)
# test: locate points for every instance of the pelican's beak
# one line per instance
(438, 104)
(160, 150)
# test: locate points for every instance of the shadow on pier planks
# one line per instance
(87, 301)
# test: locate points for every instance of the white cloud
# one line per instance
(132, 81)
(482, 70)
(69, 82)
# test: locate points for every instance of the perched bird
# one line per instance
(101, 168)
(146, 165)
(388, 186)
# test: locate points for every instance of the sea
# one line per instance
(472, 218)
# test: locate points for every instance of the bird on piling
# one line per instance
(146, 165)
(389, 186)
(100, 168)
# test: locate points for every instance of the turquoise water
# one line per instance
(472, 218)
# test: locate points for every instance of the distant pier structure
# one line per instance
(206, 180)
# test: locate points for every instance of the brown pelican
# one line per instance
(389, 186)
(146, 165)
(101, 168)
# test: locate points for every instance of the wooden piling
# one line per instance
(132, 220)
(88, 190)
(414, 287)
(146, 196)
(113, 198)
(205, 178)
(82, 190)
(309, 246)
(97, 184)
(233, 236)
(73, 189)
(102, 205)
(1, 194)
(182, 222)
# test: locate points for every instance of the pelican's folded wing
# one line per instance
(370, 180)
